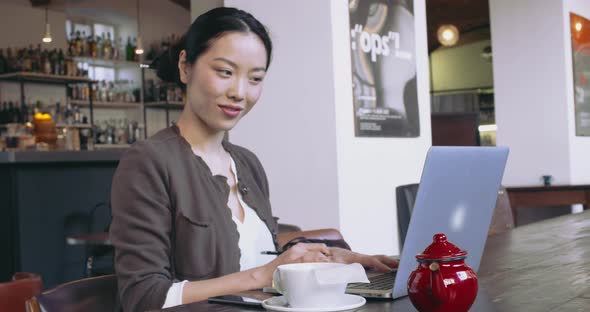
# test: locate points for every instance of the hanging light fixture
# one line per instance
(139, 45)
(448, 35)
(47, 37)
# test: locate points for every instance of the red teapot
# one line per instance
(442, 282)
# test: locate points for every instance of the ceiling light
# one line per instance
(448, 35)
(139, 45)
(47, 37)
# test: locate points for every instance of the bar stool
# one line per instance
(15, 293)
(95, 240)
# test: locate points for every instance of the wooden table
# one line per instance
(540, 196)
(543, 266)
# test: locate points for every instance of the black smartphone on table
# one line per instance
(237, 300)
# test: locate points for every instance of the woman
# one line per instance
(191, 211)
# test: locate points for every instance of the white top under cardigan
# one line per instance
(254, 238)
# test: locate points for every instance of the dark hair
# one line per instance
(200, 35)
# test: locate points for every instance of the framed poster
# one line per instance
(384, 68)
(580, 29)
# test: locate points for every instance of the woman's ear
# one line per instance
(184, 67)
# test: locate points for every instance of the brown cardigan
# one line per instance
(170, 217)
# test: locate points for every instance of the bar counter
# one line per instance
(46, 196)
(21, 157)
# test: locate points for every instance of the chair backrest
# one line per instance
(502, 219)
(15, 293)
(405, 198)
(285, 228)
(88, 295)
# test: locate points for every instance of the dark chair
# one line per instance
(405, 198)
(85, 295)
(99, 253)
(15, 293)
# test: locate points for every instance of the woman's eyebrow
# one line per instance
(223, 59)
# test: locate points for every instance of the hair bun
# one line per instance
(166, 64)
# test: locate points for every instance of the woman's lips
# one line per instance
(230, 111)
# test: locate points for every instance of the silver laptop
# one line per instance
(457, 196)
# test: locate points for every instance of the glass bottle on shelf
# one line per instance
(102, 95)
(54, 59)
(10, 113)
(26, 61)
(58, 113)
(89, 46)
(117, 49)
(31, 58)
(107, 47)
(10, 66)
(99, 44)
(38, 58)
(135, 56)
(129, 50)
(46, 62)
(61, 63)
(3, 63)
(71, 44)
(4, 113)
(69, 113)
(111, 92)
(78, 44)
(77, 116)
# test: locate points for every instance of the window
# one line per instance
(95, 30)
(104, 31)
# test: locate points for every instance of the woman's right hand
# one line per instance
(299, 253)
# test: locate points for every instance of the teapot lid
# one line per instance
(441, 249)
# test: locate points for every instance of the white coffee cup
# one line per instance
(298, 283)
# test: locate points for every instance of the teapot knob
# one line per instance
(440, 238)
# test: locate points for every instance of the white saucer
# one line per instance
(348, 303)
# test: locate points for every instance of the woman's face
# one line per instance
(226, 81)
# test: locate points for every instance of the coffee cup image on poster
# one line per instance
(384, 68)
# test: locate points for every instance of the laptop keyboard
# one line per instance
(378, 282)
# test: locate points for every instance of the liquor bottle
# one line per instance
(27, 62)
(54, 62)
(77, 117)
(20, 60)
(3, 113)
(99, 47)
(135, 56)
(129, 50)
(84, 51)
(11, 113)
(3, 63)
(89, 44)
(37, 59)
(10, 63)
(117, 49)
(31, 53)
(78, 44)
(17, 115)
(61, 63)
(71, 45)
(46, 62)
(108, 45)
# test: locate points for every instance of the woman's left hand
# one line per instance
(378, 262)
